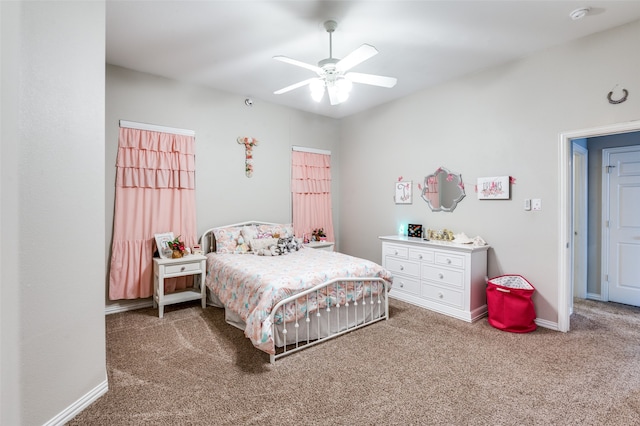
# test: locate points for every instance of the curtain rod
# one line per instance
(311, 150)
(156, 128)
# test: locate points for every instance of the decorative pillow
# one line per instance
(227, 239)
(258, 244)
(281, 230)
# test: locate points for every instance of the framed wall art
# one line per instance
(404, 193)
(493, 188)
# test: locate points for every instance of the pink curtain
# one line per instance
(155, 193)
(311, 188)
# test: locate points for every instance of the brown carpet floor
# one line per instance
(417, 368)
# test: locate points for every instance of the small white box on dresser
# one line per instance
(445, 277)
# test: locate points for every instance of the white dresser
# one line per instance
(444, 277)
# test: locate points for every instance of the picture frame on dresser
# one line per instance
(162, 245)
(414, 230)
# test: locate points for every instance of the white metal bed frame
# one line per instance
(370, 309)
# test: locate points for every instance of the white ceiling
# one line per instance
(229, 45)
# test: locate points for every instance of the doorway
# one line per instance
(566, 215)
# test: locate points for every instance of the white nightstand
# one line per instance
(193, 264)
(321, 245)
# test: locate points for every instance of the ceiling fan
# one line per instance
(332, 72)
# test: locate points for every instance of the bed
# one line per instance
(286, 296)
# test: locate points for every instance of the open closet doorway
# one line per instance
(567, 248)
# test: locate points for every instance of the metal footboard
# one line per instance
(372, 306)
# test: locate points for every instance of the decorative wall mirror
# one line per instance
(443, 190)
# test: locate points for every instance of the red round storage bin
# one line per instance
(509, 304)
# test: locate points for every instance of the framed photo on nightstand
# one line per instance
(161, 243)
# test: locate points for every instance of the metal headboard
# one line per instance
(208, 239)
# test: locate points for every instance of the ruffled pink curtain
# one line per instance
(311, 188)
(155, 193)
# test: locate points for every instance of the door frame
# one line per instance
(565, 218)
(579, 254)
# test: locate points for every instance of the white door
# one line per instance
(622, 170)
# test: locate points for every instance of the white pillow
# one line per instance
(263, 243)
(249, 232)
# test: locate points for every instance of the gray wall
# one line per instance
(503, 121)
(224, 194)
(52, 208)
(594, 214)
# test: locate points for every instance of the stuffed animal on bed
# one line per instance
(242, 247)
(269, 251)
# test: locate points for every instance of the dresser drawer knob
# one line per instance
(448, 260)
(440, 295)
(395, 252)
(183, 268)
(440, 275)
(419, 256)
(401, 267)
(401, 284)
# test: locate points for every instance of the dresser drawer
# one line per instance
(451, 260)
(421, 255)
(442, 295)
(395, 250)
(182, 268)
(443, 276)
(406, 285)
(401, 266)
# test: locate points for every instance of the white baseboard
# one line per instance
(74, 409)
(124, 306)
(594, 296)
(547, 324)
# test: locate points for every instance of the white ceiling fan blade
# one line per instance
(294, 86)
(284, 59)
(356, 57)
(374, 80)
(333, 95)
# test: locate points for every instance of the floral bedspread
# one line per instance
(252, 285)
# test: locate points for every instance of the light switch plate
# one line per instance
(527, 204)
(536, 204)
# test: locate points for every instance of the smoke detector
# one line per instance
(580, 13)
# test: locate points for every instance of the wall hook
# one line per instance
(625, 94)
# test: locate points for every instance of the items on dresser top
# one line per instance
(445, 277)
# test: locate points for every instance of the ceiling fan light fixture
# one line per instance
(344, 85)
(332, 75)
(317, 90)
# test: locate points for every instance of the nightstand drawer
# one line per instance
(443, 276)
(394, 250)
(451, 260)
(401, 266)
(442, 295)
(182, 268)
